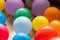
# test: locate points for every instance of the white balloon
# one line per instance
(22, 24)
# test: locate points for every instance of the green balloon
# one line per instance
(22, 12)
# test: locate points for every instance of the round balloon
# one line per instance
(39, 6)
(21, 36)
(22, 12)
(55, 38)
(56, 25)
(45, 33)
(2, 3)
(52, 13)
(4, 34)
(2, 18)
(39, 22)
(12, 5)
(22, 24)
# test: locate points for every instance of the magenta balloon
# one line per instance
(12, 5)
(39, 6)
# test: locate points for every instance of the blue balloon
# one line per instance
(22, 24)
(21, 36)
(2, 18)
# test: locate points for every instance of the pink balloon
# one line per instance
(12, 5)
(39, 6)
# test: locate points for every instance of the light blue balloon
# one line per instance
(2, 18)
(21, 36)
(22, 24)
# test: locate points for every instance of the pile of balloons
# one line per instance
(22, 24)
(46, 22)
(4, 33)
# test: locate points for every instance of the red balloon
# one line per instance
(4, 34)
(45, 33)
(55, 38)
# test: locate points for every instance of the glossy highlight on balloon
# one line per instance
(55, 38)
(45, 33)
(39, 22)
(22, 12)
(22, 24)
(4, 33)
(12, 5)
(56, 25)
(21, 36)
(2, 4)
(52, 13)
(2, 18)
(39, 6)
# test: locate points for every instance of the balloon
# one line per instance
(22, 24)
(39, 22)
(52, 13)
(2, 3)
(12, 5)
(45, 33)
(55, 38)
(22, 12)
(39, 6)
(2, 18)
(21, 36)
(56, 25)
(4, 34)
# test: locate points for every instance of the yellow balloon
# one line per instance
(39, 21)
(2, 3)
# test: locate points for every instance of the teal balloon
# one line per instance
(2, 18)
(21, 36)
(22, 24)
(22, 12)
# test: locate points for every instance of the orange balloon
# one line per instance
(52, 13)
(56, 25)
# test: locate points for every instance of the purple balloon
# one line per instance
(39, 6)
(12, 5)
